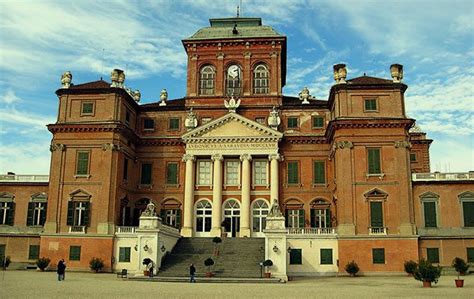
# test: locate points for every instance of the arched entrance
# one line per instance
(259, 217)
(232, 217)
(203, 218)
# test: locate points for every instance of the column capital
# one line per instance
(247, 157)
(217, 157)
(188, 157)
(277, 157)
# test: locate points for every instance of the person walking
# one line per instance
(192, 273)
(61, 270)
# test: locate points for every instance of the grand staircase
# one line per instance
(238, 257)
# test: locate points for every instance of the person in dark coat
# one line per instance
(192, 273)
(61, 270)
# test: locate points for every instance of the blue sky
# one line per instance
(39, 40)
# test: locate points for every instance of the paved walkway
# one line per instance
(32, 284)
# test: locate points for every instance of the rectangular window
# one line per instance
(412, 157)
(468, 213)
(33, 253)
(378, 255)
(319, 172)
(470, 254)
(145, 178)
(82, 163)
(294, 218)
(87, 108)
(232, 173)
(78, 213)
(432, 255)
(376, 214)
(292, 122)
(260, 172)
(127, 117)
(2, 251)
(318, 122)
(7, 212)
(373, 158)
(260, 120)
(429, 209)
(148, 124)
(370, 104)
(326, 256)
(172, 173)
(296, 257)
(293, 173)
(125, 168)
(204, 173)
(173, 123)
(124, 255)
(36, 215)
(75, 253)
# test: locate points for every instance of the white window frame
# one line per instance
(465, 197)
(262, 213)
(292, 215)
(198, 173)
(429, 199)
(254, 174)
(78, 210)
(226, 173)
(4, 205)
(207, 213)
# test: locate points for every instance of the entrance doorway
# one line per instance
(232, 217)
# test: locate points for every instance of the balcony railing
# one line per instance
(439, 176)
(125, 229)
(77, 229)
(377, 230)
(8, 178)
(312, 231)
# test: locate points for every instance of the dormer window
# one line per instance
(206, 80)
(233, 80)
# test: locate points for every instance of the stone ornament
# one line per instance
(118, 78)
(305, 96)
(191, 121)
(247, 157)
(163, 97)
(57, 147)
(396, 70)
(415, 129)
(274, 118)
(150, 210)
(402, 144)
(340, 73)
(66, 79)
(275, 209)
(344, 144)
(136, 95)
(110, 146)
(277, 157)
(217, 157)
(232, 104)
(188, 157)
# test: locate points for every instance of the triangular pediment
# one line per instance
(80, 194)
(376, 193)
(232, 126)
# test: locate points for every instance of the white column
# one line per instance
(187, 230)
(217, 196)
(245, 204)
(274, 158)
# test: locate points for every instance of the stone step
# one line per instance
(207, 279)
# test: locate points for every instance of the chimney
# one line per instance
(117, 77)
(340, 73)
(396, 70)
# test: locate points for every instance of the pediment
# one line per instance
(429, 194)
(80, 194)
(376, 193)
(232, 126)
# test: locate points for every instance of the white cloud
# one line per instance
(25, 158)
(9, 97)
(16, 119)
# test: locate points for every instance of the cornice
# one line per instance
(305, 140)
(367, 123)
(162, 142)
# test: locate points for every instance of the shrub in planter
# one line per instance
(352, 268)
(96, 264)
(461, 267)
(42, 263)
(5, 262)
(216, 241)
(410, 267)
(208, 263)
(267, 264)
(427, 273)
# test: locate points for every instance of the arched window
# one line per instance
(320, 214)
(37, 210)
(7, 208)
(294, 214)
(233, 80)
(260, 79)
(171, 213)
(206, 80)
(259, 215)
(232, 217)
(203, 216)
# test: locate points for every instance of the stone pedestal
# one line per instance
(275, 246)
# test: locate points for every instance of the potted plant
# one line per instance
(96, 264)
(410, 267)
(216, 241)
(146, 262)
(208, 263)
(5, 262)
(461, 267)
(427, 273)
(42, 263)
(266, 264)
(352, 268)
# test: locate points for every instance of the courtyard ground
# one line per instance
(32, 284)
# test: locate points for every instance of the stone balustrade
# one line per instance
(312, 231)
(7, 178)
(441, 176)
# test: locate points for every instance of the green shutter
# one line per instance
(312, 214)
(470, 254)
(146, 174)
(30, 214)
(430, 213)
(468, 212)
(295, 257)
(43, 214)
(326, 256)
(319, 172)
(378, 255)
(33, 253)
(11, 213)
(301, 218)
(293, 173)
(86, 213)
(75, 253)
(163, 215)
(178, 218)
(70, 213)
(82, 163)
(318, 122)
(328, 218)
(432, 255)
(121, 254)
(371, 105)
(376, 216)
(172, 173)
(374, 160)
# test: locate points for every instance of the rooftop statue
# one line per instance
(232, 104)
(66, 80)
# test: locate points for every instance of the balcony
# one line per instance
(77, 229)
(377, 231)
(312, 231)
(12, 178)
(125, 229)
(439, 176)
